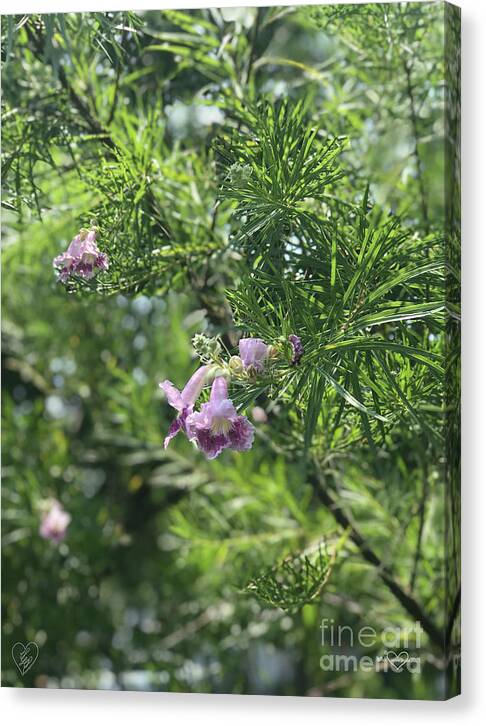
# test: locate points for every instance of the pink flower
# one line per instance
(82, 257)
(183, 401)
(54, 522)
(253, 353)
(218, 426)
(259, 415)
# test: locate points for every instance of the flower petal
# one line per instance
(253, 352)
(211, 445)
(174, 397)
(241, 434)
(176, 425)
(195, 384)
(219, 390)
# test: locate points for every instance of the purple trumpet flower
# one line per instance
(297, 349)
(218, 426)
(183, 401)
(54, 523)
(82, 257)
(253, 353)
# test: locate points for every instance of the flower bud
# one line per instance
(259, 415)
(217, 371)
(236, 365)
(297, 349)
(206, 348)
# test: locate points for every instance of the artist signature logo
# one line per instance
(25, 655)
(397, 660)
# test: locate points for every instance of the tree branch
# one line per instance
(405, 599)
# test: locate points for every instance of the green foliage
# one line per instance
(270, 172)
(276, 168)
(338, 275)
(294, 582)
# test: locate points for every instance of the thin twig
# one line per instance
(407, 601)
(94, 125)
(416, 153)
(253, 41)
(418, 549)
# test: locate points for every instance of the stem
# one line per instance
(418, 550)
(93, 123)
(114, 102)
(254, 35)
(452, 617)
(416, 153)
(406, 600)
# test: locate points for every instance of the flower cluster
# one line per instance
(82, 257)
(217, 426)
(55, 521)
(208, 349)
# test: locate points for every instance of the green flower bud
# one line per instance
(206, 348)
(217, 371)
(236, 365)
(239, 174)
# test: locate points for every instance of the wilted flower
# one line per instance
(253, 353)
(183, 401)
(54, 522)
(82, 257)
(218, 426)
(297, 349)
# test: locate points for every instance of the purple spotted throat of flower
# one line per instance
(217, 425)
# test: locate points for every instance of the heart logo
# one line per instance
(25, 656)
(397, 660)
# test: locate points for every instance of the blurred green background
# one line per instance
(147, 591)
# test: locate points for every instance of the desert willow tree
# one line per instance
(276, 220)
